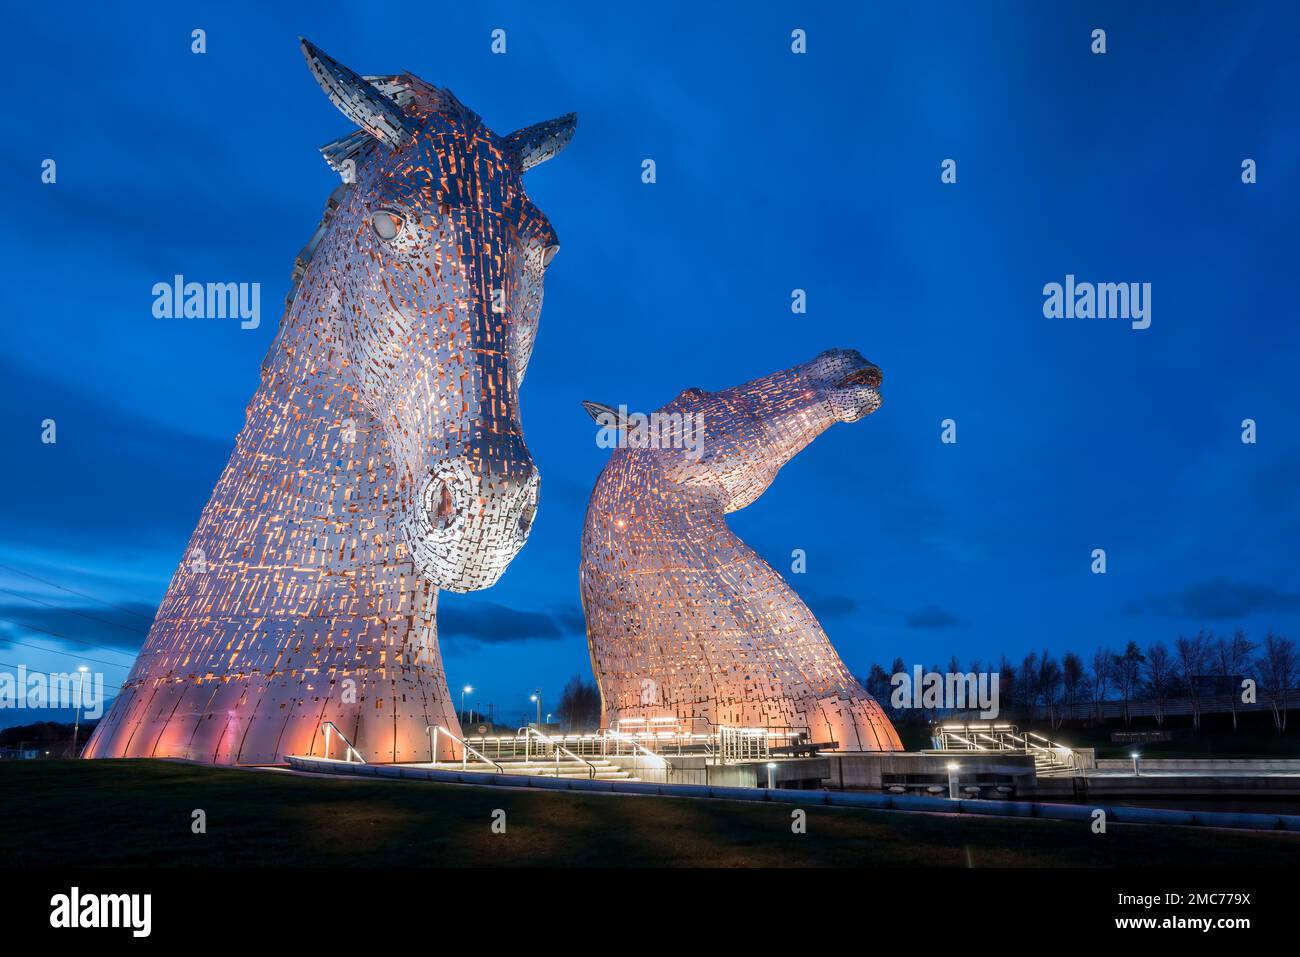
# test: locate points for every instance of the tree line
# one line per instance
(1157, 673)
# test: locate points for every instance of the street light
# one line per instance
(463, 691)
(76, 725)
(1136, 772)
(537, 697)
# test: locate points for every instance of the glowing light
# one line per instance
(381, 458)
(682, 617)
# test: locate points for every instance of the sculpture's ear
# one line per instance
(603, 414)
(539, 142)
(357, 99)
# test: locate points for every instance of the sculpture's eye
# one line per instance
(548, 254)
(387, 224)
(442, 508)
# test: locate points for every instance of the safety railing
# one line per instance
(637, 749)
(744, 744)
(330, 728)
(465, 750)
(559, 748)
(1048, 755)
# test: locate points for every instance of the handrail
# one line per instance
(620, 736)
(1056, 755)
(591, 768)
(329, 726)
(465, 749)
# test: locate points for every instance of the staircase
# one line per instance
(1049, 756)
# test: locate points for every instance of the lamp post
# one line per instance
(537, 697)
(463, 692)
(1136, 772)
(76, 725)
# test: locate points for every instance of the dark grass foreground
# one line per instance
(125, 813)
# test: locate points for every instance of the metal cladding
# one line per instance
(381, 459)
(684, 620)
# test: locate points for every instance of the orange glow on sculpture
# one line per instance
(382, 457)
(683, 618)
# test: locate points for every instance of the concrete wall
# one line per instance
(1216, 765)
(868, 771)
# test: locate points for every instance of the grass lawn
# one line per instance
(138, 813)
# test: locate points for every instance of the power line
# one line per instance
(55, 634)
(6, 664)
(70, 591)
(55, 651)
(70, 611)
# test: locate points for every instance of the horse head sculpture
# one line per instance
(437, 289)
(684, 620)
(382, 457)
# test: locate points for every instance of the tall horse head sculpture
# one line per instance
(684, 620)
(382, 457)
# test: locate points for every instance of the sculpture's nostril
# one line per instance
(869, 376)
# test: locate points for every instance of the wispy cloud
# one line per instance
(121, 626)
(932, 616)
(1218, 599)
(492, 623)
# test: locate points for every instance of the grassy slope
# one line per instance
(125, 813)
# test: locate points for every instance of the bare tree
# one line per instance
(1277, 668)
(579, 706)
(899, 667)
(1049, 686)
(1072, 678)
(1191, 662)
(878, 685)
(1102, 669)
(932, 713)
(1029, 683)
(1008, 685)
(1159, 677)
(1128, 672)
(1232, 656)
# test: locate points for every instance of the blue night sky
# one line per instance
(775, 172)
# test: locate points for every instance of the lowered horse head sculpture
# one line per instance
(382, 457)
(684, 620)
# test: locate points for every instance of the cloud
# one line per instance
(120, 626)
(112, 481)
(830, 606)
(1217, 599)
(932, 616)
(491, 623)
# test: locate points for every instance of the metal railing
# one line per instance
(722, 744)
(591, 768)
(638, 749)
(1006, 738)
(329, 727)
(744, 744)
(465, 750)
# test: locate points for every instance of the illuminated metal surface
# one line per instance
(683, 618)
(382, 457)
